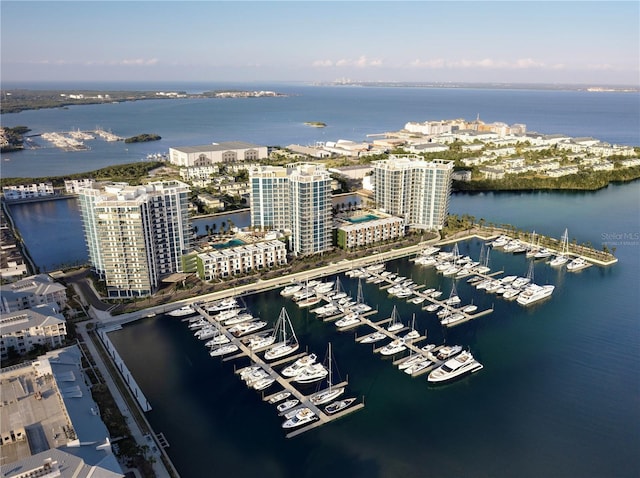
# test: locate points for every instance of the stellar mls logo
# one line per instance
(620, 238)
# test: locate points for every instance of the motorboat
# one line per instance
(281, 349)
(511, 294)
(452, 319)
(182, 311)
(263, 383)
(290, 290)
(260, 342)
(336, 406)
(348, 320)
(577, 264)
(223, 350)
(448, 351)
(247, 327)
(296, 367)
(462, 364)
(278, 397)
(372, 338)
(534, 293)
(469, 309)
(311, 373)
(558, 261)
(219, 339)
(397, 345)
(288, 405)
(224, 304)
(410, 361)
(432, 307)
(238, 319)
(418, 366)
(303, 416)
(543, 253)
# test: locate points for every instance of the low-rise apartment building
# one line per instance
(21, 331)
(364, 233)
(241, 259)
(30, 292)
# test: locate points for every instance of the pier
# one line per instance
(285, 383)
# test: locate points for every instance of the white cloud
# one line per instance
(485, 63)
(360, 62)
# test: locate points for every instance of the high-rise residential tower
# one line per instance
(136, 235)
(296, 199)
(414, 188)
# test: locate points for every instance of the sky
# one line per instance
(554, 42)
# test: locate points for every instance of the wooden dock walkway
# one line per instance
(285, 383)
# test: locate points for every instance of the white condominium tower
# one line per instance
(136, 235)
(414, 188)
(270, 208)
(296, 199)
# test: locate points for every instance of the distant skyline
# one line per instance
(487, 42)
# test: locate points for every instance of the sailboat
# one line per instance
(396, 323)
(533, 248)
(562, 259)
(287, 342)
(413, 333)
(330, 393)
(483, 268)
(360, 306)
(453, 296)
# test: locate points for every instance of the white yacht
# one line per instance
(338, 405)
(432, 307)
(311, 373)
(511, 294)
(372, 338)
(281, 349)
(458, 366)
(534, 293)
(350, 319)
(279, 397)
(543, 253)
(182, 311)
(296, 367)
(558, 261)
(238, 319)
(394, 347)
(263, 383)
(219, 339)
(418, 366)
(290, 290)
(247, 327)
(223, 350)
(448, 351)
(260, 342)
(288, 405)
(470, 309)
(303, 416)
(577, 264)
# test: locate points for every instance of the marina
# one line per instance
(268, 374)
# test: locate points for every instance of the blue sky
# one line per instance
(507, 41)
